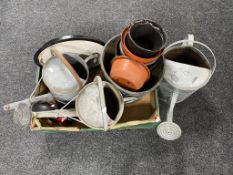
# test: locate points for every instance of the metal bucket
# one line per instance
(187, 69)
(156, 70)
(60, 81)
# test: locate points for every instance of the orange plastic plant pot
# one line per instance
(128, 53)
(129, 73)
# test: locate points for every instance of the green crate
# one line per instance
(149, 121)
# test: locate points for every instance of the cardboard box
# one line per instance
(141, 114)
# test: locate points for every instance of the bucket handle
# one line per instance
(93, 58)
(191, 42)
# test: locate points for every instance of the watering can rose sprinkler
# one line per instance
(187, 69)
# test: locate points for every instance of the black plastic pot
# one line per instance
(145, 38)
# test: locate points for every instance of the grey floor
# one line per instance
(206, 145)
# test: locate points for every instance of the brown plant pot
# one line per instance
(129, 73)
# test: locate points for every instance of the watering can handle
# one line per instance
(102, 101)
(190, 39)
(60, 56)
(93, 57)
(186, 42)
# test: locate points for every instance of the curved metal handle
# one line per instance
(93, 57)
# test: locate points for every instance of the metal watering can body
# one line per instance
(187, 69)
